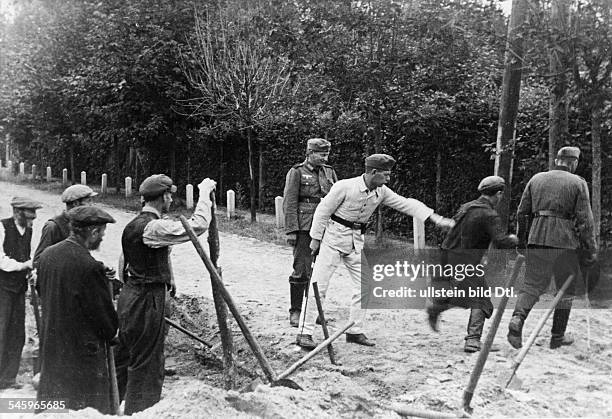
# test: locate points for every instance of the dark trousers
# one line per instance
(12, 334)
(140, 353)
(542, 263)
(302, 267)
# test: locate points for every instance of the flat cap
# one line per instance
(89, 215)
(75, 192)
(25, 203)
(156, 185)
(569, 152)
(380, 161)
(318, 144)
(491, 182)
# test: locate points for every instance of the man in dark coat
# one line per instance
(15, 263)
(477, 225)
(142, 302)
(79, 319)
(305, 184)
(557, 205)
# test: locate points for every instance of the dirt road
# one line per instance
(410, 364)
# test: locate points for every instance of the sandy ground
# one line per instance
(410, 364)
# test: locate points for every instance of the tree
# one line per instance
(237, 80)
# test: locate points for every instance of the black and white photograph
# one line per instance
(306, 208)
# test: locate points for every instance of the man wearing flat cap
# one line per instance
(79, 319)
(306, 183)
(557, 205)
(337, 234)
(15, 263)
(146, 242)
(477, 225)
(57, 228)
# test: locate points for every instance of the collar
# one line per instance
(20, 229)
(364, 188)
(308, 166)
(148, 208)
(564, 168)
(481, 199)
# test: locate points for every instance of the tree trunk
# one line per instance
(438, 177)
(252, 175)
(222, 197)
(72, 168)
(558, 66)
(596, 167)
(173, 159)
(118, 175)
(509, 104)
(262, 181)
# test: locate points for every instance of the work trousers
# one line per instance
(325, 265)
(12, 334)
(140, 353)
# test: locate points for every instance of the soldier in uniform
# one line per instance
(57, 228)
(337, 234)
(306, 183)
(15, 263)
(477, 225)
(558, 206)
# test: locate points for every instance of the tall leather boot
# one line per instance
(296, 292)
(524, 304)
(560, 319)
(474, 330)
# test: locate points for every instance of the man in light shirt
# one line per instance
(142, 302)
(15, 263)
(337, 234)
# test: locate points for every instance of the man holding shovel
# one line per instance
(79, 320)
(337, 234)
(142, 302)
(557, 205)
(477, 225)
(306, 183)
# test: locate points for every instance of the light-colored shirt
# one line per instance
(351, 200)
(165, 232)
(8, 264)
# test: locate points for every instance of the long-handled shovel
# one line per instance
(112, 370)
(188, 333)
(257, 351)
(484, 351)
(34, 303)
(534, 334)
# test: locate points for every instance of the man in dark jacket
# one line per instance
(15, 263)
(306, 183)
(557, 205)
(79, 320)
(57, 228)
(142, 302)
(477, 225)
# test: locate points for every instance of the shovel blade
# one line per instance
(285, 382)
(507, 380)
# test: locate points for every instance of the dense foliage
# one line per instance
(111, 87)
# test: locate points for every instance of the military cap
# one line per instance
(75, 192)
(491, 182)
(23, 202)
(89, 215)
(568, 152)
(380, 161)
(156, 185)
(318, 144)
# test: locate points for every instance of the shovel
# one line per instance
(257, 351)
(112, 370)
(516, 363)
(484, 351)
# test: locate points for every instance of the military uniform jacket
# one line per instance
(558, 202)
(305, 185)
(54, 231)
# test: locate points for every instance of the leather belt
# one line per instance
(310, 199)
(547, 213)
(349, 224)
